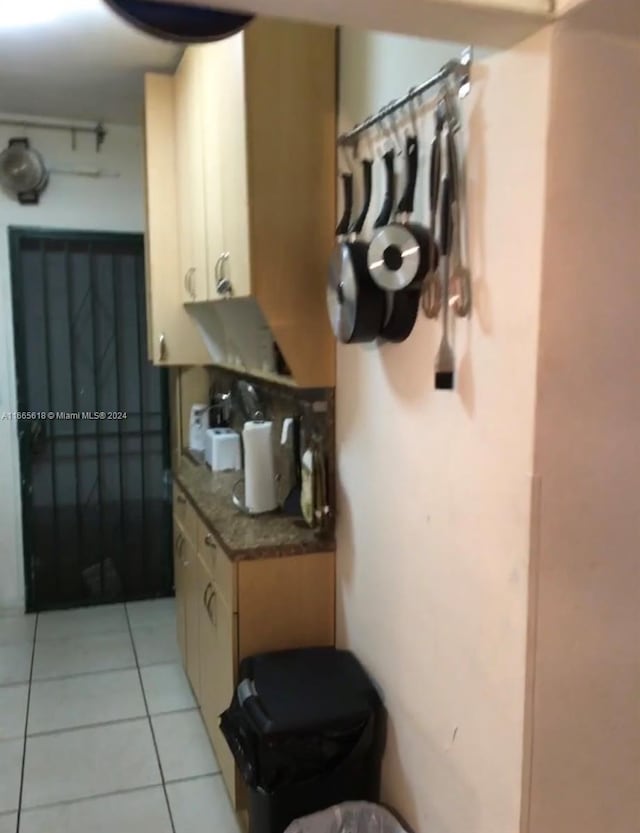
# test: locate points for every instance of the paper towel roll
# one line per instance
(259, 468)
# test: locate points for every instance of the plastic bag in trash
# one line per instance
(350, 817)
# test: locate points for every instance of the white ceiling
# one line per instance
(88, 64)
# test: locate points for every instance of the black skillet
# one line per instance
(355, 304)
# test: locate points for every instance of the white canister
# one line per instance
(259, 467)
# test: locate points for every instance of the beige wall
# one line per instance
(434, 509)
(585, 764)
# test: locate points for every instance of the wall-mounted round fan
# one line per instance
(181, 23)
(22, 172)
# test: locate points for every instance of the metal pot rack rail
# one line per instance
(99, 131)
(456, 71)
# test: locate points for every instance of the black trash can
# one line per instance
(302, 727)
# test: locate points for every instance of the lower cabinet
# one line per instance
(179, 578)
(218, 660)
(228, 610)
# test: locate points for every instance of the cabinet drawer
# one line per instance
(223, 571)
(185, 514)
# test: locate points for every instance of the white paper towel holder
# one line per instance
(237, 496)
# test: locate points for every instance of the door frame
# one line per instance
(18, 234)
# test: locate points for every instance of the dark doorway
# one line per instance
(92, 421)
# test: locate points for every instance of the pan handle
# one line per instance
(347, 191)
(390, 190)
(453, 165)
(358, 223)
(446, 219)
(405, 206)
(434, 175)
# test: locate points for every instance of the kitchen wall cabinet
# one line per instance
(173, 337)
(189, 138)
(254, 125)
(228, 610)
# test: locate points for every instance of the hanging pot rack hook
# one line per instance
(346, 151)
(411, 106)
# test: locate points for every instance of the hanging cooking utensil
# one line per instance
(401, 253)
(347, 191)
(445, 360)
(460, 279)
(402, 306)
(432, 288)
(355, 304)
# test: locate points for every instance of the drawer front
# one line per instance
(184, 513)
(223, 571)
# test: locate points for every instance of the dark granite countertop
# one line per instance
(244, 536)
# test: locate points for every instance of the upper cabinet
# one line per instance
(190, 194)
(254, 137)
(173, 336)
(225, 169)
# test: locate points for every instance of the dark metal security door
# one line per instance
(92, 422)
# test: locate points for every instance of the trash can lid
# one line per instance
(307, 690)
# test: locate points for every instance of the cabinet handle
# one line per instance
(188, 281)
(216, 275)
(213, 617)
(223, 285)
(181, 498)
(209, 540)
(206, 590)
(163, 348)
(177, 542)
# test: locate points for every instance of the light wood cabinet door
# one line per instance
(173, 337)
(194, 590)
(190, 176)
(212, 69)
(180, 589)
(235, 266)
(218, 657)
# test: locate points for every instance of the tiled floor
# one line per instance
(99, 730)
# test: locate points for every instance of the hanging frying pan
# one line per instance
(401, 253)
(355, 304)
(180, 23)
(402, 306)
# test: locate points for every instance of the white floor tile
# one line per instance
(153, 612)
(84, 621)
(10, 771)
(204, 798)
(82, 655)
(183, 745)
(85, 763)
(167, 688)
(82, 701)
(9, 823)
(15, 663)
(13, 711)
(14, 628)
(156, 644)
(142, 811)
